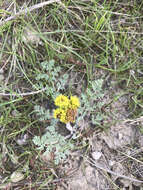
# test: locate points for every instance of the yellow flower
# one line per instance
(57, 113)
(63, 118)
(74, 102)
(62, 101)
(60, 114)
(67, 110)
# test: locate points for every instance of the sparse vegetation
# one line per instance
(91, 50)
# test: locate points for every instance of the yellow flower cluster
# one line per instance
(67, 108)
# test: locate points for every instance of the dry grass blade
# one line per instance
(23, 94)
(93, 163)
(133, 121)
(29, 9)
(131, 157)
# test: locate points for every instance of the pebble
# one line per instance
(96, 155)
(16, 176)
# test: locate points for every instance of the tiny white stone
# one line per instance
(16, 176)
(96, 155)
(23, 140)
(69, 127)
(120, 136)
(111, 162)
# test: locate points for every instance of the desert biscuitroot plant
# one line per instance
(68, 110)
(91, 103)
(51, 140)
(51, 79)
(53, 143)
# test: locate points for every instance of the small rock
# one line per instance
(111, 162)
(16, 176)
(96, 155)
(23, 140)
(120, 136)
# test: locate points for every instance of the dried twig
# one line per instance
(93, 163)
(29, 9)
(134, 121)
(23, 94)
